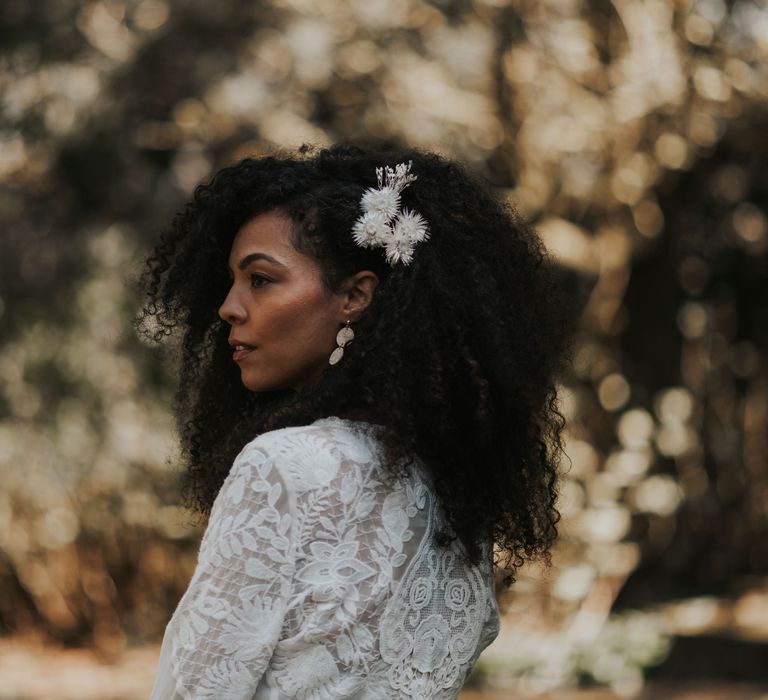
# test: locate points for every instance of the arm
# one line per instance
(221, 637)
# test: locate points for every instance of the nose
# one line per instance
(232, 311)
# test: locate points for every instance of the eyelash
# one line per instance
(255, 277)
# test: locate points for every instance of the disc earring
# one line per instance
(343, 338)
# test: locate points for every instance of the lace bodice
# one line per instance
(317, 580)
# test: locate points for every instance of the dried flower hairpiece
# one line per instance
(383, 224)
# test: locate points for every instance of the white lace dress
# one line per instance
(315, 580)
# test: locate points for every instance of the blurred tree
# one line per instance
(698, 310)
(630, 132)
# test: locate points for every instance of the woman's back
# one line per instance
(318, 579)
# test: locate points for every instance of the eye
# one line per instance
(257, 280)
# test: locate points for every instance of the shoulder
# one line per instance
(307, 457)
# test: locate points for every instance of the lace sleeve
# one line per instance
(222, 635)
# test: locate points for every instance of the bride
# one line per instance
(369, 345)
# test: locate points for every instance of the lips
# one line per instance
(240, 349)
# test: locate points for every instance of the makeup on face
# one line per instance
(283, 320)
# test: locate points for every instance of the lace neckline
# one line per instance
(361, 424)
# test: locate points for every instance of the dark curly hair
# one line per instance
(456, 356)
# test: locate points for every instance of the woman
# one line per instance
(367, 404)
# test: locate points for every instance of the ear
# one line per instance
(357, 294)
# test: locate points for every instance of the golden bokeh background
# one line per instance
(632, 133)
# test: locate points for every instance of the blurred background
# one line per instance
(632, 133)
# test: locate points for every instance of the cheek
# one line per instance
(304, 320)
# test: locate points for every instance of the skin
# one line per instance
(283, 309)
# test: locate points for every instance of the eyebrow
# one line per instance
(248, 259)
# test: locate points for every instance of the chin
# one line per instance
(254, 383)
(260, 387)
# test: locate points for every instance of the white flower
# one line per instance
(397, 250)
(411, 227)
(381, 205)
(371, 230)
(397, 177)
(384, 201)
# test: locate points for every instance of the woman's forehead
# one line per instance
(270, 229)
(268, 236)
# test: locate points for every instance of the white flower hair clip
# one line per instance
(382, 224)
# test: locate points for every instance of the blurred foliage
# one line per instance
(632, 133)
(615, 654)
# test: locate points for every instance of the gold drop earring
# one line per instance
(343, 338)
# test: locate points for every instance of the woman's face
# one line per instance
(278, 307)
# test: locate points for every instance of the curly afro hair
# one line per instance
(457, 354)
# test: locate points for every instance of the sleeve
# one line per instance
(223, 632)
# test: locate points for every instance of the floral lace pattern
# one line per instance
(318, 580)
